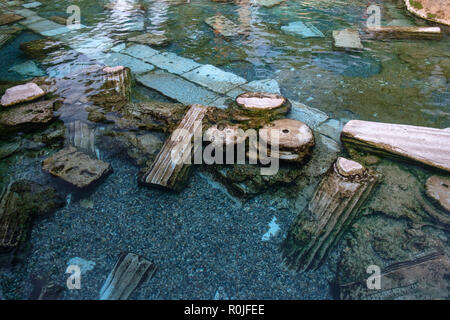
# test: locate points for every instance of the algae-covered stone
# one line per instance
(22, 93)
(8, 18)
(76, 168)
(21, 201)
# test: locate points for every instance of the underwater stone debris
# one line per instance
(27, 116)
(421, 278)
(304, 30)
(438, 189)
(397, 32)
(8, 18)
(433, 10)
(169, 169)
(21, 93)
(157, 40)
(76, 168)
(347, 39)
(20, 202)
(129, 270)
(332, 209)
(295, 140)
(429, 146)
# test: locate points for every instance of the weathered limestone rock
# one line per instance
(172, 165)
(27, 116)
(347, 39)
(8, 18)
(294, 138)
(332, 209)
(438, 189)
(76, 168)
(22, 93)
(421, 278)
(304, 30)
(20, 202)
(259, 108)
(223, 26)
(128, 272)
(158, 40)
(428, 146)
(433, 10)
(396, 32)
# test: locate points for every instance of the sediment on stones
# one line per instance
(129, 271)
(333, 207)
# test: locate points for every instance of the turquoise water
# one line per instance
(207, 243)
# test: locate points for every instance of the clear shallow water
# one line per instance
(216, 250)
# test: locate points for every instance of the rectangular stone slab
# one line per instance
(171, 62)
(118, 59)
(177, 88)
(425, 145)
(129, 270)
(214, 78)
(43, 25)
(333, 207)
(140, 51)
(169, 169)
(223, 26)
(396, 32)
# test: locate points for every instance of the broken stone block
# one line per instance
(176, 88)
(20, 202)
(225, 135)
(22, 93)
(8, 18)
(433, 10)
(223, 26)
(437, 188)
(347, 39)
(129, 271)
(422, 278)
(396, 32)
(39, 49)
(158, 40)
(76, 168)
(214, 78)
(27, 117)
(173, 163)
(333, 207)
(28, 69)
(425, 145)
(294, 138)
(304, 30)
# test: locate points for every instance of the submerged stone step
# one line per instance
(425, 145)
(172, 165)
(304, 30)
(129, 271)
(139, 51)
(177, 88)
(118, 59)
(214, 78)
(333, 207)
(25, 12)
(172, 63)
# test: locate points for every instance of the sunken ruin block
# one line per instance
(76, 168)
(425, 145)
(397, 32)
(128, 272)
(333, 207)
(171, 167)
